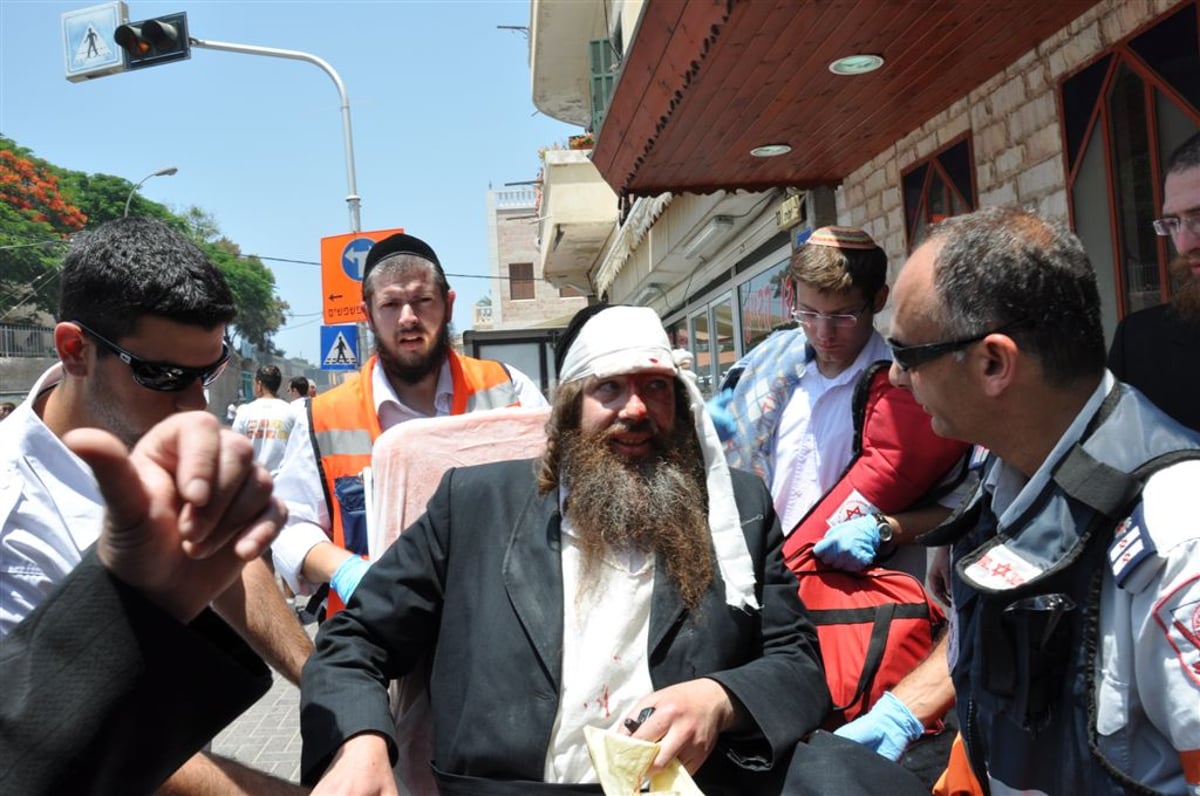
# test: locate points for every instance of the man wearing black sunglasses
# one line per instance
(1075, 571)
(142, 332)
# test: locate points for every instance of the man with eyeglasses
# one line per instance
(1157, 350)
(787, 413)
(141, 334)
(1075, 566)
(785, 408)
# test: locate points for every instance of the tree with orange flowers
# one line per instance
(36, 218)
(42, 205)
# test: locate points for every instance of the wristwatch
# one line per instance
(886, 535)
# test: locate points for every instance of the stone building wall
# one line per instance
(1016, 138)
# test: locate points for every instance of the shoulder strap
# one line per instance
(884, 614)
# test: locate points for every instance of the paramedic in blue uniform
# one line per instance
(1075, 649)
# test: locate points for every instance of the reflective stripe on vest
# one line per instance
(344, 424)
(496, 397)
(344, 442)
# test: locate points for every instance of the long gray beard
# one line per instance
(654, 506)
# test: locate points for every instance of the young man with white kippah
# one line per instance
(787, 412)
(628, 568)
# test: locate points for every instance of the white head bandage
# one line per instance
(623, 340)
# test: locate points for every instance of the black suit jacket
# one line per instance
(1158, 351)
(477, 580)
(102, 692)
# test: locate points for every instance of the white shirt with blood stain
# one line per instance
(606, 628)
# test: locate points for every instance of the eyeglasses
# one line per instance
(908, 357)
(809, 318)
(163, 376)
(1171, 225)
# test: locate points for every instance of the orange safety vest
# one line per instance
(959, 778)
(344, 425)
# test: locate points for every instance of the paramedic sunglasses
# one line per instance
(908, 357)
(163, 376)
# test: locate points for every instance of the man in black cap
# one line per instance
(414, 373)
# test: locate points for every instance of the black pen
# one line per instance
(633, 724)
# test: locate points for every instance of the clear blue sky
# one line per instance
(440, 106)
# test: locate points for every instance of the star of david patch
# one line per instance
(1178, 614)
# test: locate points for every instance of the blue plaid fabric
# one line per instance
(765, 378)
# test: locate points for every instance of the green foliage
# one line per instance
(260, 311)
(36, 216)
(102, 197)
(44, 204)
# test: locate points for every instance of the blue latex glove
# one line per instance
(849, 545)
(346, 577)
(887, 728)
(718, 410)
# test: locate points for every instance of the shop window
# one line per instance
(764, 303)
(520, 281)
(724, 342)
(1122, 116)
(936, 188)
(703, 364)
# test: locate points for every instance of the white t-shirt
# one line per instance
(268, 423)
(815, 436)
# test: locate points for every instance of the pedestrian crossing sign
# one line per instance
(339, 347)
(89, 47)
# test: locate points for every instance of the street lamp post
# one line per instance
(166, 171)
(353, 200)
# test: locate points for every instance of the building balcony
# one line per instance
(578, 216)
(559, 32)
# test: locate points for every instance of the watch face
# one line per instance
(885, 529)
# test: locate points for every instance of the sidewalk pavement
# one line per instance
(267, 736)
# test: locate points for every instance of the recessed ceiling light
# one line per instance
(770, 150)
(856, 64)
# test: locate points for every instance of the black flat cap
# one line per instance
(401, 243)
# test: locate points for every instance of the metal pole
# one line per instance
(352, 199)
(166, 171)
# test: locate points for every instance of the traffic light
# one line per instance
(154, 41)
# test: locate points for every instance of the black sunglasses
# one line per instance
(908, 357)
(163, 376)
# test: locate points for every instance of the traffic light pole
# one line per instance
(353, 199)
